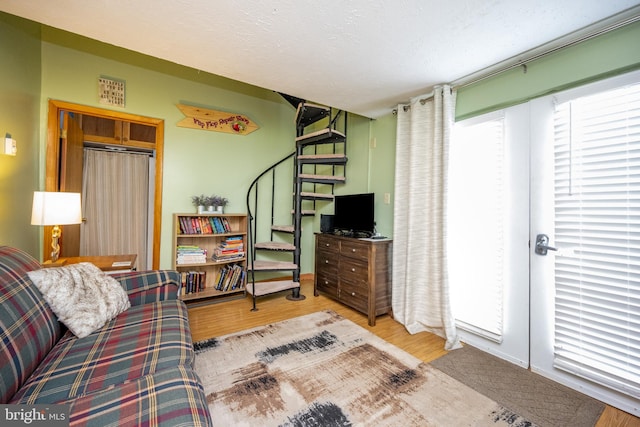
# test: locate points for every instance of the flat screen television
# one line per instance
(354, 214)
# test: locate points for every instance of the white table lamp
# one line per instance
(53, 208)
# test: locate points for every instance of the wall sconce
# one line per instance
(9, 147)
(53, 208)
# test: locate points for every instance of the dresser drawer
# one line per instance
(354, 272)
(327, 243)
(354, 296)
(327, 261)
(354, 249)
(327, 283)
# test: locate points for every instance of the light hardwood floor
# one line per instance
(220, 319)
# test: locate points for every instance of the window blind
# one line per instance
(597, 227)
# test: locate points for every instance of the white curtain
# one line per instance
(115, 204)
(421, 299)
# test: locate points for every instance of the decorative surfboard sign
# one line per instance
(216, 121)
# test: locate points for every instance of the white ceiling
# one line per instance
(363, 56)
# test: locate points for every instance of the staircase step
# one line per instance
(305, 212)
(316, 196)
(323, 136)
(283, 228)
(324, 159)
(322, 179)
(264, 265)
(275, 246)
(308, 114)
(265, 288)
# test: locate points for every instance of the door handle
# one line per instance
(542, 244)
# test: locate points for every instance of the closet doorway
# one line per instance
(74, 128)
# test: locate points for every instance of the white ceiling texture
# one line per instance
(363, 56)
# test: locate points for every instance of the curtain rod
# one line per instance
(422, 99)
(120, 150)
(599, 28)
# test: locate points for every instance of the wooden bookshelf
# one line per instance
(220, 273)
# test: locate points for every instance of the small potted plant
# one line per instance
(200, 202)
(218, 203)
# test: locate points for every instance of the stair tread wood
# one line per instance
(323, 136)
(275, 246)
(328, 159)
(283, 228)
(270, 287)
(321, 196)
(322, 178)
(265, 265)
(305, 212)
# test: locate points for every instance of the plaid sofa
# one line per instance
(135, 371)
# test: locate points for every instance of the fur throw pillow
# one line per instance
(82, 296)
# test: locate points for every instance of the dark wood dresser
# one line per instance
(356, 272)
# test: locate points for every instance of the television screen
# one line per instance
(354, 214)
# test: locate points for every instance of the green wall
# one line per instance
(381, 175)
(613, 53)
(19, 116)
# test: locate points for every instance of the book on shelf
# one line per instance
(203, 225)
(185, 225)
(193, 282)
(230, 277)
(229, 249)
(216, 224)
(188, 254)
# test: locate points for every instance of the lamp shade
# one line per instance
(53, 208)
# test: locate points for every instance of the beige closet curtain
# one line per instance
(420, 281)
(115, 204)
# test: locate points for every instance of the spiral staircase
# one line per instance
(317, 165)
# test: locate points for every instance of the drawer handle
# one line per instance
(326, 244)
(326, 261)
(353, 250)
(326, 282)
(353, 269)
(353, 294)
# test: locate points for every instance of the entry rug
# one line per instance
(324, 370)
(540, 399)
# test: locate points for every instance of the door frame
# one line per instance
(52, 160)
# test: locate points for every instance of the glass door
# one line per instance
(585, 234)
